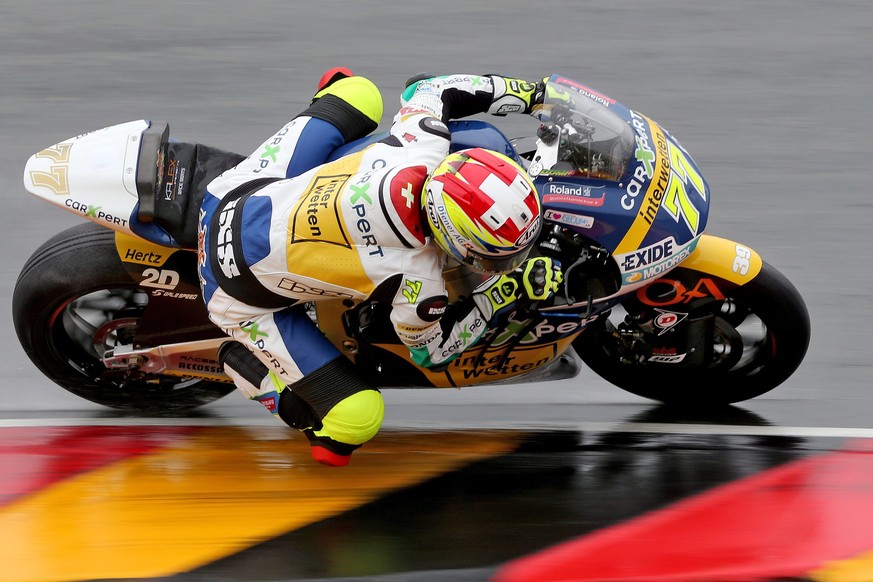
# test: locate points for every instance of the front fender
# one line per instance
(724, 258)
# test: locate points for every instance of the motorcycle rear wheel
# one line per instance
(761, 331)
(72, 300)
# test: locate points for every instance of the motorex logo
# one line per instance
(654, 260)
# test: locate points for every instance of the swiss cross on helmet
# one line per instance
(482, 209)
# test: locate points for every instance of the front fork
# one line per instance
(687, 342)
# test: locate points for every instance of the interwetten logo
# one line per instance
(317, 217)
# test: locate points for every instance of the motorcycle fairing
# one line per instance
(650, 217)
(482, 364)
(130, 178)
(676, 307)
(726, 259)
(93, 174)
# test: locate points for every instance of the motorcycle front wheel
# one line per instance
(72, 302)
(757, 335)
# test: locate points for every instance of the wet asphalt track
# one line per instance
(772, 99)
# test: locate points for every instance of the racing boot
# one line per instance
(350, 411)
(331, 76)
(353, 104)
(334, 408)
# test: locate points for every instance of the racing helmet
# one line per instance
(482, 210)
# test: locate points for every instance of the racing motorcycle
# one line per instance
(112, 310)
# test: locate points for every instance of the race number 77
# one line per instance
(676, 199)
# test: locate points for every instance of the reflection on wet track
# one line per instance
(234, 503)
(163, 501)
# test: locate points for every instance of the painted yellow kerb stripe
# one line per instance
(219, 492)
(654, 194)
(858, 569)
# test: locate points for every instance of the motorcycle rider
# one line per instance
(284, 228)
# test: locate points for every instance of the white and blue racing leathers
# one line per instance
(283, 228)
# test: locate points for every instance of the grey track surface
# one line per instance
(772, 98)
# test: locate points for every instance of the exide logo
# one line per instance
(648, 255)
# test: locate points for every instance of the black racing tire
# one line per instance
(73, 286)
(772, 305)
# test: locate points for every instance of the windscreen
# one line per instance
(594, 141)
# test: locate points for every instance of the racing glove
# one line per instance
(520, 96)
(540, 278)
(516, 95)
(536, 280)
(469, 95)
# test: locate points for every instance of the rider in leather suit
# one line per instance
(284, 228)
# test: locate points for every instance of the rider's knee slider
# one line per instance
(355, 420)
(352, 104)
(350, 409)
(346, 427)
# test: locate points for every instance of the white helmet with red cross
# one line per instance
(482, 210)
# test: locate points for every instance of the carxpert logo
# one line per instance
(270, 152)
(317, 216)
(94, 212)
(361, 201)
